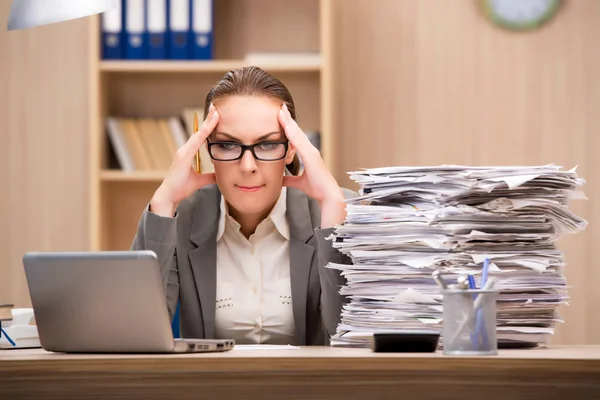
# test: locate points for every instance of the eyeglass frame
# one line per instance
(250, 147)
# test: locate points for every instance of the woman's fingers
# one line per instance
(195, 141)
(297, 182)
(295, 135)
(201, 180)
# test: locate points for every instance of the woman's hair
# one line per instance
(253, 81)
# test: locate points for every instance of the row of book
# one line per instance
(411, 221)
(158, 30)
(149, 144)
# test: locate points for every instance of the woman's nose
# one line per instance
(248, 163)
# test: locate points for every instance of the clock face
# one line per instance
(520, 14)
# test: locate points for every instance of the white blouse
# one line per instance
(254, 298)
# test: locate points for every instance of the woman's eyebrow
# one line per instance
(227, 135)
(233, 138)
(263, 137)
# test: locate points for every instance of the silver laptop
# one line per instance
(104, 302)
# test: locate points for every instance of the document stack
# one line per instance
(410, 221)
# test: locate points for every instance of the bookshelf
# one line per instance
(162, 89)
(299, 64)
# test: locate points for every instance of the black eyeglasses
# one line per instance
(263, 151)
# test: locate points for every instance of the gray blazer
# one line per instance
(186, 247)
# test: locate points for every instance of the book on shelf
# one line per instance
(149, 144)
(158, 30)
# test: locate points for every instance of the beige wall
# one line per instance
(431, 82)
(43, 145)
(416, 82)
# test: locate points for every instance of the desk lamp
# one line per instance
(30, 13)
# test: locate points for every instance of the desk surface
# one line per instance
(304, 357)
(323, 372)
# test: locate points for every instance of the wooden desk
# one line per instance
(317, 372)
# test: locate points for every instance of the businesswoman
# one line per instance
(244, 249)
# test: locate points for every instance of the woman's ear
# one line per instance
(289, 157)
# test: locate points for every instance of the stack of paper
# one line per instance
(409, 221)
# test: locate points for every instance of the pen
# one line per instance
(2, 331)
(479, 322)
(484, 273)
(198, 153)
(488, 286)
(464, 283)
(472, 284)
(475, 335)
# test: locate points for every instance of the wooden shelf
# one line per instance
(301, 64)
(289, 39)
(109, 175)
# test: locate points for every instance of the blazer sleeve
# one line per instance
(159, 234)
(331, 280)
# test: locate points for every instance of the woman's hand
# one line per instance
(316, 180)
(182, 180)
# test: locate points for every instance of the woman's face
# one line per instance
(249, 185)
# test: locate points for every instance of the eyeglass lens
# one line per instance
(263, 151)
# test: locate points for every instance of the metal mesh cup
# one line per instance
(469, 325)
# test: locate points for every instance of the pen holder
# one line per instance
(469, 325)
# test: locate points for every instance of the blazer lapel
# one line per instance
(203, 259)
(301, 255)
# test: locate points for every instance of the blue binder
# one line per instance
(202, 29)
(112, 33)
(179, 29)
(135, 27)
(156, 29)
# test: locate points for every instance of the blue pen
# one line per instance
(474, 335)
(472, 284)
(8, 337)
(479, 324)
(484, 273)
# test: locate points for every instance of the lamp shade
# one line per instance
(29, 13)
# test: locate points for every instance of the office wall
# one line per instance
(43, 145)
(431, 82)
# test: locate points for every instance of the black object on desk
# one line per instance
(405, 342)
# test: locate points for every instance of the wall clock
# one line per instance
(520, 14)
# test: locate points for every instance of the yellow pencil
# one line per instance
(198, 170)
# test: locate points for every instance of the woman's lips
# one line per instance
(249, 188)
